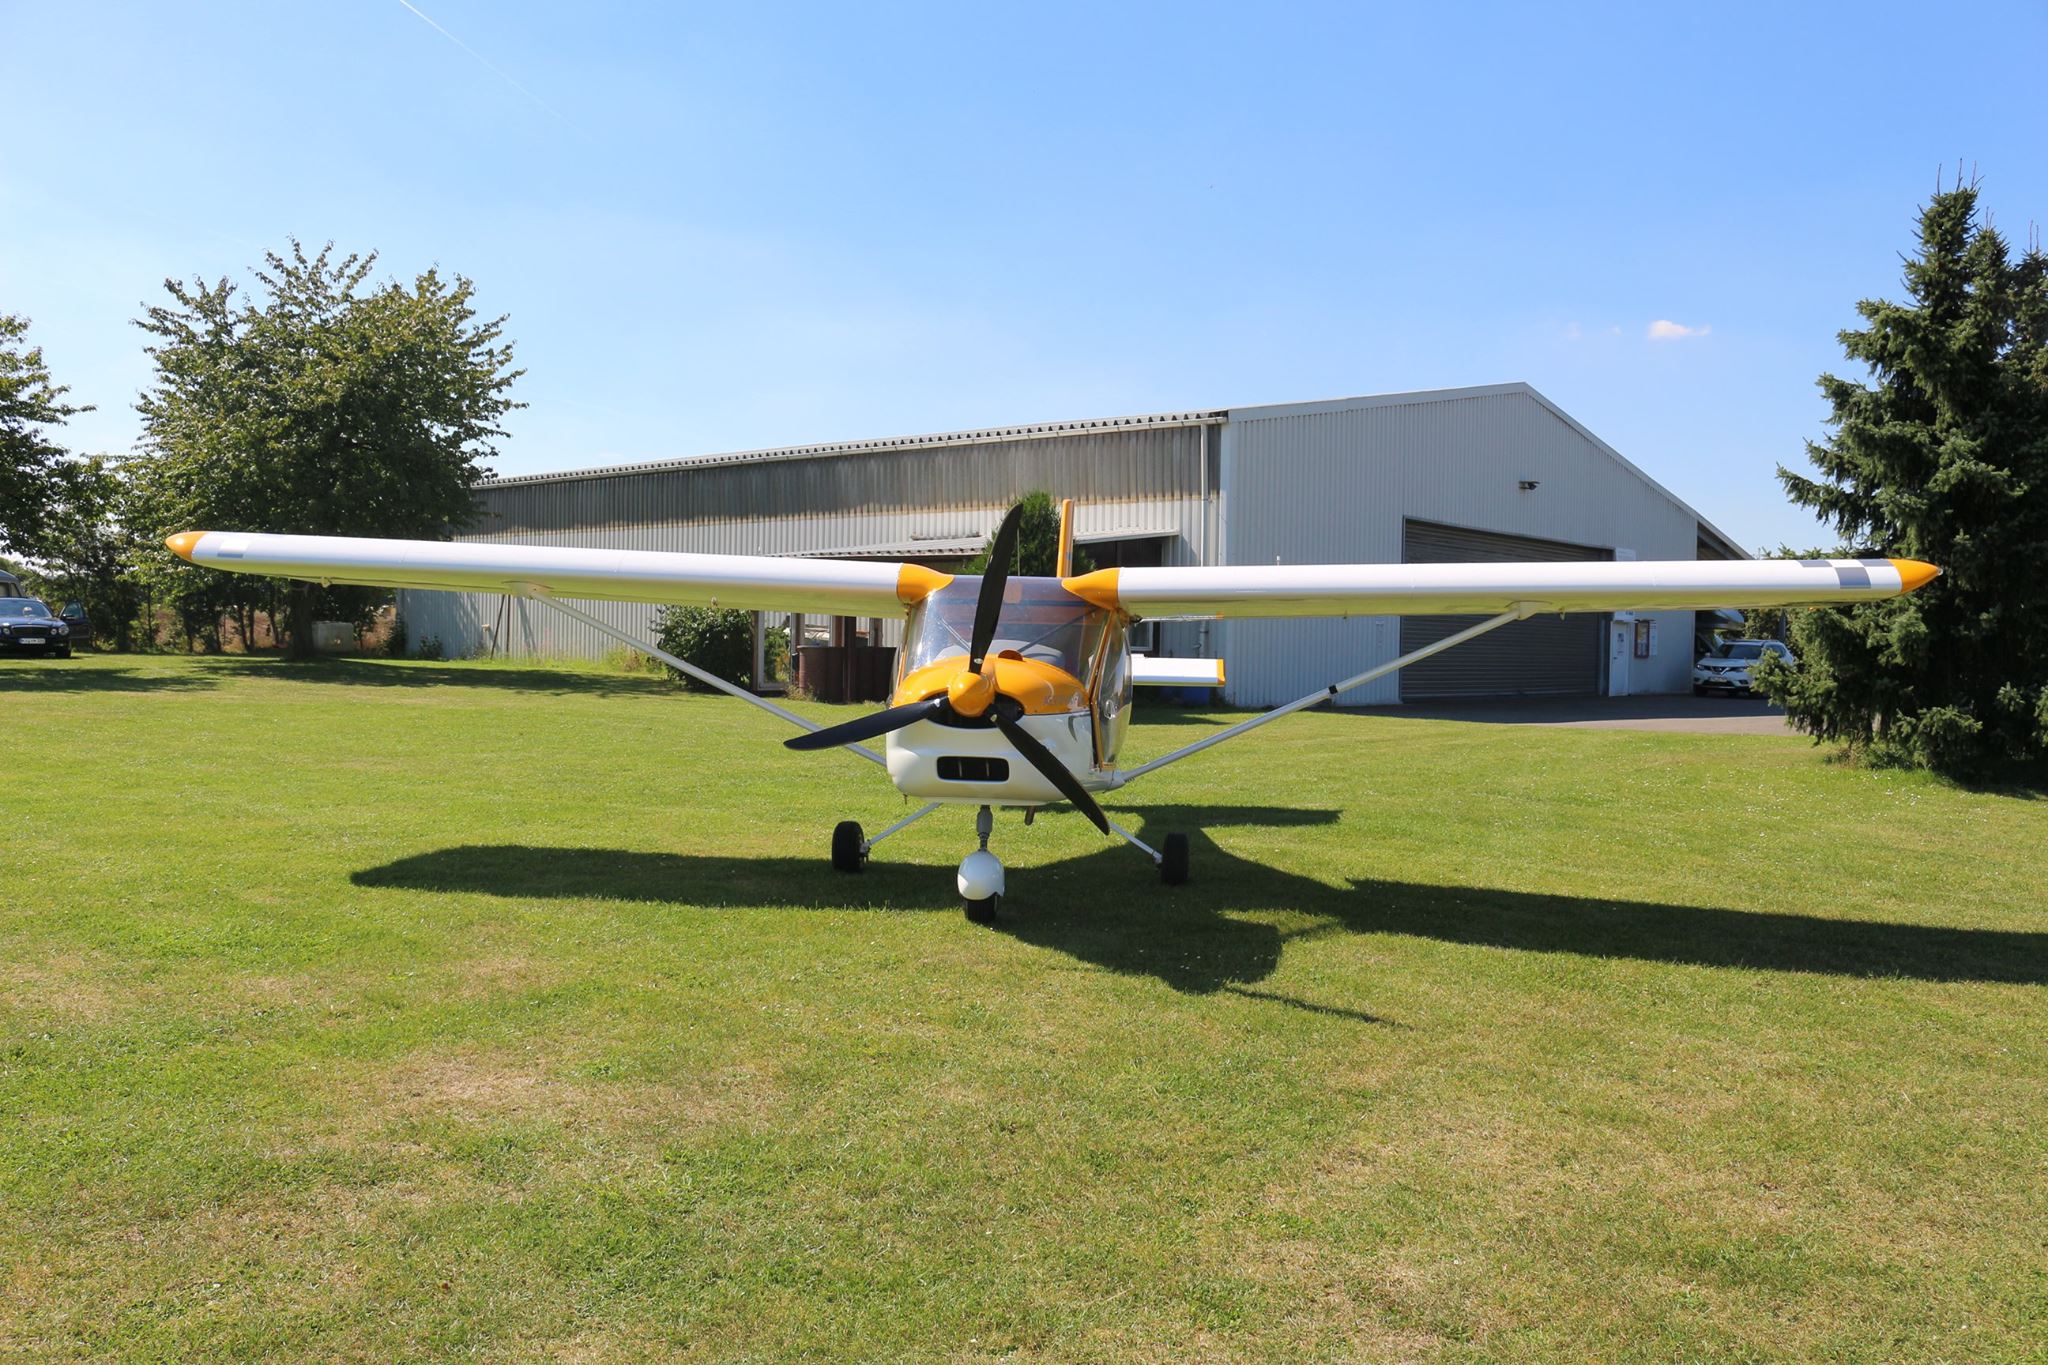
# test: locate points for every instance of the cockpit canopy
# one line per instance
(1040, 620)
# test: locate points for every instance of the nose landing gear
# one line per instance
(981, 873)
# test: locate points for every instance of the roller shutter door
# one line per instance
(1548, 656)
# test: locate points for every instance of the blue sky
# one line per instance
(716, 228)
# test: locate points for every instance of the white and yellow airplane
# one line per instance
(1016, 691)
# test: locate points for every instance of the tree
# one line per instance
(85, 554)
(29, 460)
(1038, 542)
(1942, 456)
(321, 406)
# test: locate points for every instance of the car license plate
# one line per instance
(32, 640)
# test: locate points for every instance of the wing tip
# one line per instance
(1914, 573)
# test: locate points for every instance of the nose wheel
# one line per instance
(981, 874)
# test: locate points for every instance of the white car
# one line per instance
(1727, 668)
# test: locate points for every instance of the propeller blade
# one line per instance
(993, 580)
(1056, 772)
(868, 726)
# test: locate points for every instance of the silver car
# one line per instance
(1727, 668)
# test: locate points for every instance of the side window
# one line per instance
(1113, 695)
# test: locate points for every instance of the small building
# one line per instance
(1492, 472)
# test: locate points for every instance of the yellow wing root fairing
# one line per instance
(1098, 588)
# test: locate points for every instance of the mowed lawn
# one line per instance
(372, 1010)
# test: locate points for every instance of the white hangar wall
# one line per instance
(1335, 483)
(1330, 482)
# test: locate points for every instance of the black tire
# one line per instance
(1698, 690)
(64, 653)
(982, 911)
(846, 842)
(1173, 866)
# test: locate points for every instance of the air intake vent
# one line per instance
(954, 768)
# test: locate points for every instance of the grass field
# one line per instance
(369, 1010)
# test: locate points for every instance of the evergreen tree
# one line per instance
(1038, 542)
(1941, 456)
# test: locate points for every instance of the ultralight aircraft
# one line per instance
(1016, 691)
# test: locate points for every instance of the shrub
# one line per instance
(716, 639)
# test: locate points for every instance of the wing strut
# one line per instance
(1521, 611)
(708, 679)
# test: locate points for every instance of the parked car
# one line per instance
(1727, 668)
(74, 616)
(29, 627)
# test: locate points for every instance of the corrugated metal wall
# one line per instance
(1146, 479)
(1333, 483)
(1303, 484)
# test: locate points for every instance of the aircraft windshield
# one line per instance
(1040, 620)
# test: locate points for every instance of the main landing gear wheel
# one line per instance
(846, 846)
(1173, 860)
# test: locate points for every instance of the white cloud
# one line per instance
(1572, 332)
(1664, 329)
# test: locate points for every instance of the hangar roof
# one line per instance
(1193, 417)
(935, 439)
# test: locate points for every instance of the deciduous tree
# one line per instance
(30, 406)
(322, 404)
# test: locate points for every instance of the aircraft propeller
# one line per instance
(972, 696)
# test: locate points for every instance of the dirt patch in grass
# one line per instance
(483, 1086)
(509, 974)
(65, 991)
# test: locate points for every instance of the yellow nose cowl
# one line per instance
(969, 694)
(184, 543)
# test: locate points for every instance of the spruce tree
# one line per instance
(1942, 455)
(1038, 541)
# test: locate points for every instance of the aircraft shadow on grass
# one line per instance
(1107, 908)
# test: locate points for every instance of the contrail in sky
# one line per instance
(500, 73)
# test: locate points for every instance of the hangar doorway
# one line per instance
(1546, 656)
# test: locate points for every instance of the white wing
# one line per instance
(834, 587)
(1474, 589)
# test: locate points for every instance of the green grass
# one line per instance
(369, 1010)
